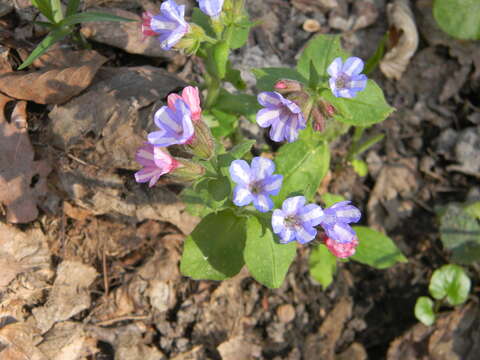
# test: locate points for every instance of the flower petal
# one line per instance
(293, 205)
(262, 203)
(191, 96)
(335, 67)
(272, 184)
(262, 167)
(277, 131)
(212, 8)
(171, 100)
(163, 159)
(165, 118)
(242, 196)
(266, 116)
(270, 99)
(311, 214)
(358, 82)
(305, 234)
(287, 235)
(353, 66)
(240, 172)
(278, 219)
(340, 232)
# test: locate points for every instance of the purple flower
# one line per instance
(335, 221)
(155, 163)
(255, 183)
(296, 221)
(283, 115)
(175, 125)
(170, 24)
(346, 80)
(212, 8)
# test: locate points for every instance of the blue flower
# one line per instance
(283, 115)
(175, 124)
(335, 221)
(170, 24)
(256, 183)
(346, 80)
(296, 221)
(212, 8)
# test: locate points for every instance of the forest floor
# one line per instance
(92, 270)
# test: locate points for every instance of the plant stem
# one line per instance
(213, 91)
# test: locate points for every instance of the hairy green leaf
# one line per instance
(268, 77)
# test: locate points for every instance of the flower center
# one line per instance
(342, 81)
(256, 187)
(292, 222)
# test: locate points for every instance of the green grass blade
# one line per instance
(57, 12)
(44, 7)
(72, 7)
(91, 16)
(49, 40)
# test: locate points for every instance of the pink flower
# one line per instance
(341, 250)
(146, 24)
(191, 97)
(155, 163)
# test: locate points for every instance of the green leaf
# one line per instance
(459, 18)
(376, 249)
(330, 199)
(203, 20)
(314, 78)
(214, 250)
(240, 35)
(239, 104)
(303, 166)
(322, 264)
(57, 11)
(49, 40)
(424, 310)
(91, 16)
(45, 8)
(267, 260)
(234, 77)
(72, 7)
(460, 233)
(267, 77)
(367, 108)
(241, 149)
(220, 57)
(450, 282)
(360, 167)
(220, 123)
(320, 51)
(375, 59)
(473, 210)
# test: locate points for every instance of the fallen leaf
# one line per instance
(21, 251)
(124, 35)
(18, 342)
(54, 85)
(69, 295)
(117, 110)
(239, 348)
(22, 180)
(401, 19)
(68, 341)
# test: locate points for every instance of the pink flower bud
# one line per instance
(341, 250)
(285, 86)
(318, 120)
(146, 24)
(191, 97)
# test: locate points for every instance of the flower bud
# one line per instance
(192, 40)
(202, 144)
(341, 250)
(318, 120)
(302, 99)
(286, 86)
(187, 170)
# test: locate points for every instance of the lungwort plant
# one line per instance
(256, 210)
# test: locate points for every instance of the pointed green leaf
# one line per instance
(44, 7)
(314, 78)
(238, 104)
(320, 51)
(376, 249)
(268, 77)
(72, 7)
(49, 40)
(303, 166)
(367, 108)
(267, 260)
(424, 310)
(57, 10)
(323, 265)
(203, 20)
(450, 282)
(214, 250)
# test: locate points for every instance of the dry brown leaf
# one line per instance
(124, 35)
(54, 85)
(69, 295)
(401, 19)
(21, 251)
(18, 342)
(239, 348)
(22, 180)
(68, 341)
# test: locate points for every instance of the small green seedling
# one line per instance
(449, 286)
(61, 24)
